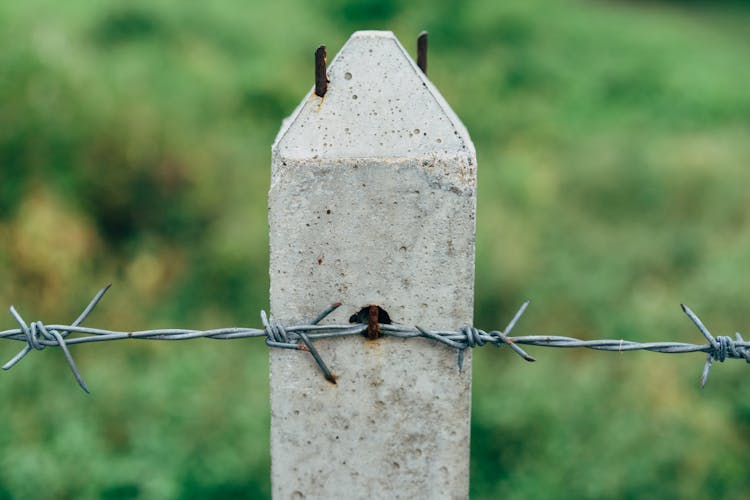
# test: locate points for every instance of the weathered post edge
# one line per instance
(372, 201)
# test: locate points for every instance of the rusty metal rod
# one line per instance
(422, 52)
(321, 79)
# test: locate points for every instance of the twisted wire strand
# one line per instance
(38, 336)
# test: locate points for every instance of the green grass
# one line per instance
(613, 140)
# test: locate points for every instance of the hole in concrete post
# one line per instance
(373, 316)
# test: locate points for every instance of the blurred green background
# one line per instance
(613, 142)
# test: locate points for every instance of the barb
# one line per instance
(32, 340)
(722, 347)
(38, 336)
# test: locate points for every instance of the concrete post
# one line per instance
(372, 202)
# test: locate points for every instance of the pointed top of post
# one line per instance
(378, 104)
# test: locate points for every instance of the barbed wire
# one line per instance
(39, 336)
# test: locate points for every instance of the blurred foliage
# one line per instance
(613, 142)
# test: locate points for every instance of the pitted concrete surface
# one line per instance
(372, 201)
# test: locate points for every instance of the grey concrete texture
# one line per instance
(372, 201)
